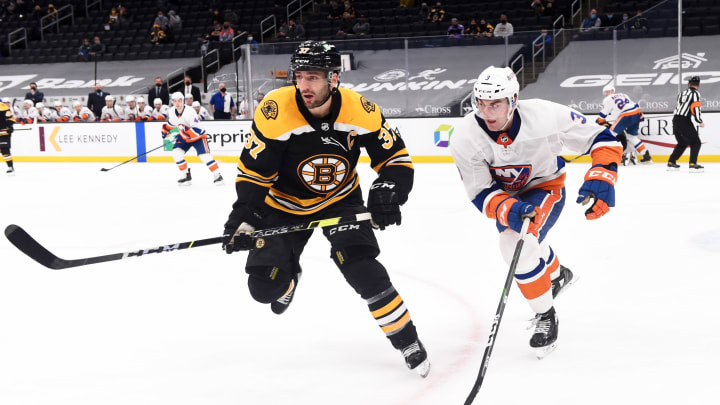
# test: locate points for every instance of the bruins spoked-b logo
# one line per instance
(323, 173)
(368, 105)
(269, 109)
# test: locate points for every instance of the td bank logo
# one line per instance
(442, 135)
(51, 138)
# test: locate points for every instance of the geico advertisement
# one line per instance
(225, 138)
(75, 139)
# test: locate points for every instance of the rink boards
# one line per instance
(427, 140)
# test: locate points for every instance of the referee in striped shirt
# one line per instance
(687, 110)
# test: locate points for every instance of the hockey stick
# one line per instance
(130, 160)
(23, 241)
(498, 314)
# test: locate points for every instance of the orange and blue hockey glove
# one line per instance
(511, 212)
(599, 185)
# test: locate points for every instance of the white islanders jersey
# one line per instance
(188, 118)
(85, 115)
(160, 114)
(203, 114)
(527, 155)
(111, 114)
(618, 104)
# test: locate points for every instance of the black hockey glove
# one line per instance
(236, 235)
(384, 204)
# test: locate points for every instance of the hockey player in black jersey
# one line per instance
(299, 165)
(6, 129)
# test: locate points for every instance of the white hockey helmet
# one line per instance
(57, 103)
(157, 101)
(140, 100)
(109, 97)
(496, 83)
(609, 87)
(27, 101)
(196, 104)
(188, 96)
(40, 105)
(129, 98)
(177, 96)
(77, 103)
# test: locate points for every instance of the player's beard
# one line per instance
(318, 99)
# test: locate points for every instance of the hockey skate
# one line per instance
(281, 304)
(186, 179)
(673, 167)
(632, 160)
(645, 158)
(416, 358)
(563, 282)
(696, 168)
(218, 180)
(544, 339)
(10, 170)
(624, 159)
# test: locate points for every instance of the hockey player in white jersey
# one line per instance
(111, 112)
(144, 111)
(27, 113)
(182, 129)
(160, 110)
(82, 113)
(507, 153)
(45, 114)
(131, 111)
(619, 113)
(201, 111)
(63, 114)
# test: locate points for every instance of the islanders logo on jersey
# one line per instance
(511, 178)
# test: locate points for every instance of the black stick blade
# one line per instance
(104, 169)
(26, 244)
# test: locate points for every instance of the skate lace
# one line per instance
(410, 349)
(541, 325)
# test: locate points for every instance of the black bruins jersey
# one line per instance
(6, 119)
(299, 164)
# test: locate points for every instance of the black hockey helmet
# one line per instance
(315, 55)
(694, 81)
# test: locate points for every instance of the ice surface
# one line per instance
(639, 327)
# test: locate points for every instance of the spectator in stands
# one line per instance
(227, 32)
(51, 9)
(361, 27)
(423, 12)
(97, 47)
(504, 28)
(161, 20)
(214, 35)
(550, 9)
(124, 15)
(591, 22)
(231, 18)
(174, 22)
(485, 30)
(437, 13)
(346, 26)
(96, 100)
(159, 91)
(190, 89)
(283, 31)
(348, 8)
(537, 8)
(84, 50)
(336, 11)
(547, 41)
(407, 3)
(472, 29)
(157, 35)
(34, 94)
(297, 31)
(455, 30)
(254, 47)
(610, 20)
(222, 104)
(114, 17)
(639, 22)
